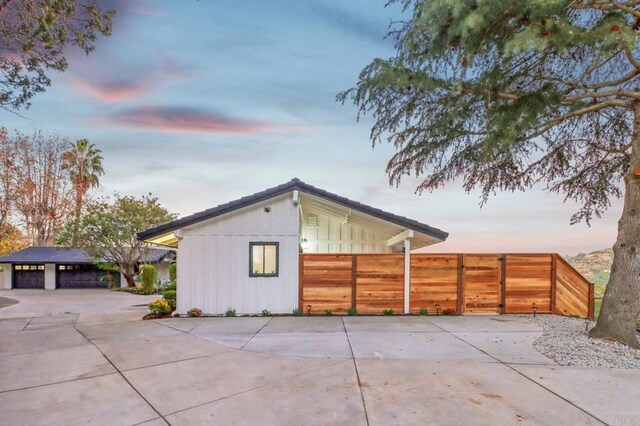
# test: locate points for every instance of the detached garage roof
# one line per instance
(71, 256)
(293, 185)
(48, 255)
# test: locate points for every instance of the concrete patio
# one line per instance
(85, 356)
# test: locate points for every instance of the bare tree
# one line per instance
(44, 196)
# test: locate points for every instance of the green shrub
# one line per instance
(149, 276)
(266, 313)
(424, 311)
(171, 285)
(170, 296)
(173, 272)
(297, 312)
(327, 312)
(387, 312)
(230, 312)
(134, 290)
(352, 312)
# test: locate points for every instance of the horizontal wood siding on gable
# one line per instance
(334, 236)
(214, 261)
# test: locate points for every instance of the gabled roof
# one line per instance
(48, 255)
(292, 185)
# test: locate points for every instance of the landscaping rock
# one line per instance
(565, 340)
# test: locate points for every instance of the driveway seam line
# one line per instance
(123, 376)
(525, 376)
(174, 361)
(257, 387)
(58, 383)
(355, 366)
(27, 324)
(256, 333)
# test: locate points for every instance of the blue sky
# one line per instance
(201, 102)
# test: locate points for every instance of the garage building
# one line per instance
(51, 268)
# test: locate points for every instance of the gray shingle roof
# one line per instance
(47, 255)
(294, 184)
(66, 255)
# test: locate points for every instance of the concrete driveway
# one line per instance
(90, 359)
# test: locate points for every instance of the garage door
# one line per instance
(79, 276)
(28, 276)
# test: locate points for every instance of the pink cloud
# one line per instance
(112, 91)
(191, 120)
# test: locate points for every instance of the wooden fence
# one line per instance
(468, 283)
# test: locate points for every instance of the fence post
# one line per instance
(300, 282)
(503, 283)
(460, 301)
(592, 301)
(554, 281)
(407, 275)
(354, 280)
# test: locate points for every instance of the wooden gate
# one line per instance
(326, 283)
(482, 283)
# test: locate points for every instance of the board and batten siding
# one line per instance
(332, 235)
(213, 259)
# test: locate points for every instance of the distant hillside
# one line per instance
(596, 266)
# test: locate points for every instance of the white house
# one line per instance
(244, 254)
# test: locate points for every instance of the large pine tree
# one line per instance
(509, 94)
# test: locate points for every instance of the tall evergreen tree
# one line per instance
(509, 94)
(84, 163)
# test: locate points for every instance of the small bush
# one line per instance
(149, 276)
(424, 311)
(171, 285)
(448, 311)
(387, 312)
(265, 313)
(160, 306)
(327, 312)
(133, 290)
(230, 312)
(297, 312)
(170, 296)
(194, 312)
(352, 312)
(173, 272)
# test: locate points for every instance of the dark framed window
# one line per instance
(264, 259)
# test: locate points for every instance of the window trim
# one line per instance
(264, 243)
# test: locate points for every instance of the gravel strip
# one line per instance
(565, 341)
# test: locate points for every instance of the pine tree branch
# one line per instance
(632, 60)
(626, 9)
(544, 127)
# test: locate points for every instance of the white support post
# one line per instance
(49, 276)
(407, 274)
(7, 270)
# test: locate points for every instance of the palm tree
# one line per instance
(84, 162)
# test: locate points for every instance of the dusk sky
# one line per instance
(203, 102)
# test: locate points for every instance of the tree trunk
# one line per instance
(621, 305)
(76, 221)
(128, 276)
